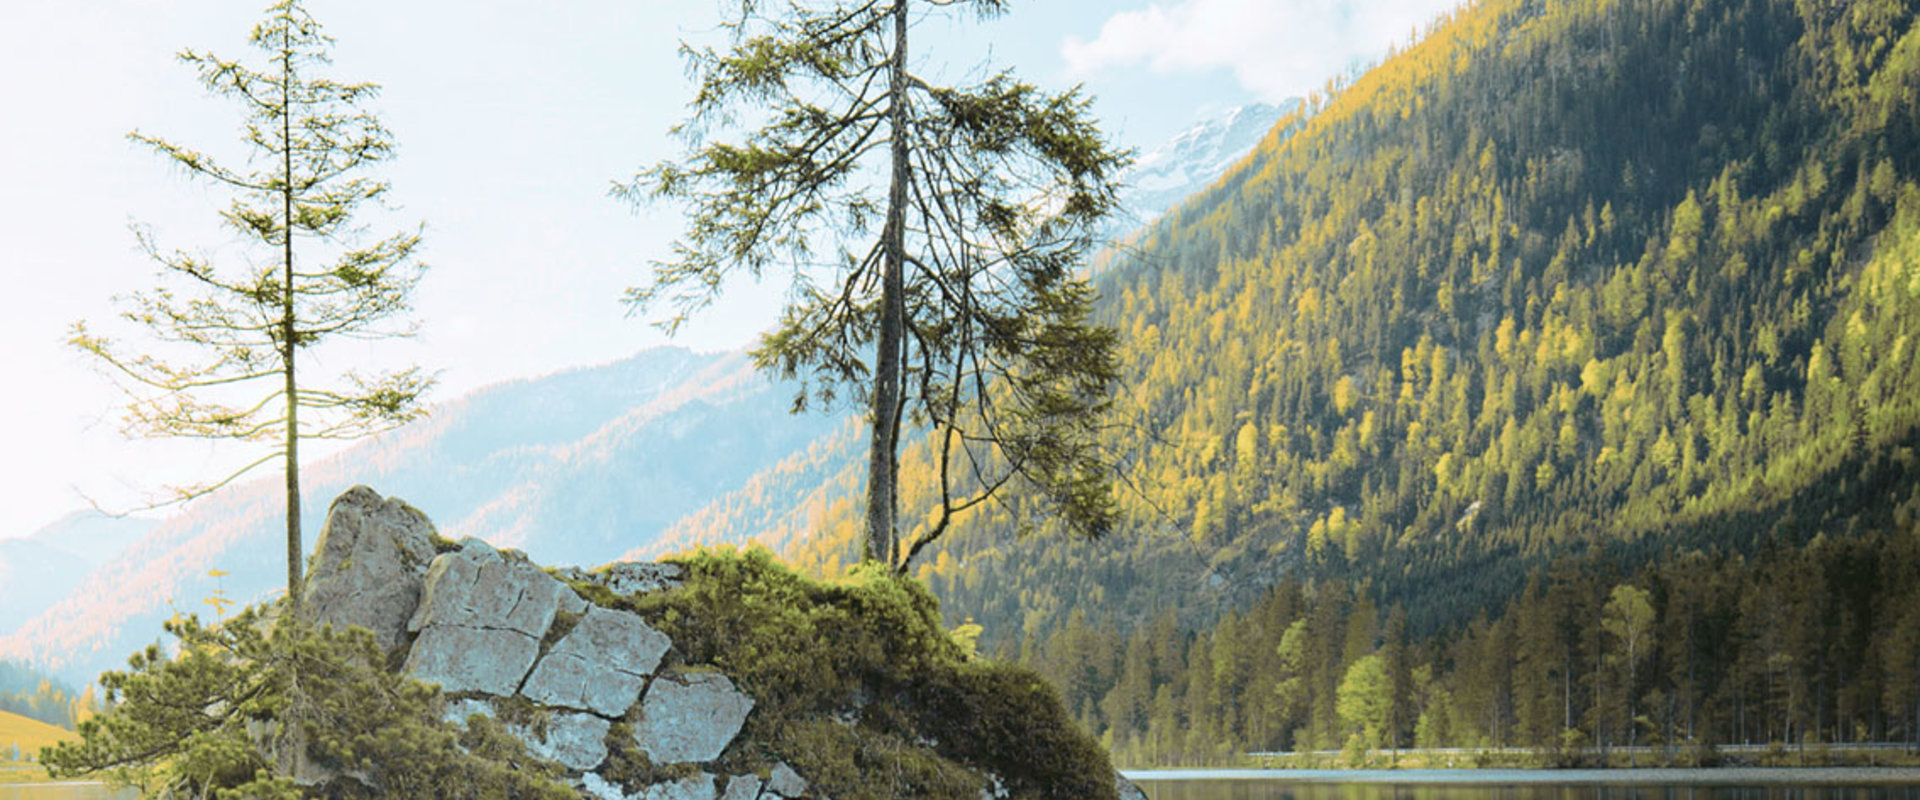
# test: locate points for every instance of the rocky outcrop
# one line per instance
(560, 660)
(369, 566)
(496, 631)
(698, 787)
(785, 782)
(742, 787)
(628, 577)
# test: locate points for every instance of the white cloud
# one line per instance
(1276, 48)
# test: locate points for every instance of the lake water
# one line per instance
(1715, 784)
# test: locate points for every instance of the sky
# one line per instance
(513, 120)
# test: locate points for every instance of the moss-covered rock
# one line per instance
(630, 682)
(861, 689)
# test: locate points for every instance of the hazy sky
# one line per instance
(512, 119)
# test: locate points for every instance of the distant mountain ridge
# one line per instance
(574, 468)
(39, 569)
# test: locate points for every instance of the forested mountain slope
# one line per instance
(1619, 274)
(1614, 301)
(1562, 277)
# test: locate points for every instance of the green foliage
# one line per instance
(228, 337)
(1808, 644)
(953, 300)
(858, 678)
(261, 705)
(1365, 700)
(1465, 320)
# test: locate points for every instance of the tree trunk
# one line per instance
(288, 346)
(881, 467)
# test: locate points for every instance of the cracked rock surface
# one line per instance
(690, 717)
(507, 640)
(369, 565)
(600, 665)
(575, 741)
(480, 620)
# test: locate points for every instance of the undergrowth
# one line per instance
(859, 687)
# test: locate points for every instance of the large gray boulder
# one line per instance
(464, 659)
(1127, 789)
(600, 665)
(575, 741)
(480, 620)
(690, 717)
(369, 567)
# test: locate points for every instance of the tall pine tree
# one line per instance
(957, 218)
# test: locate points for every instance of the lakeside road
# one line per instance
(1643, 776)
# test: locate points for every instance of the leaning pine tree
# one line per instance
(223, 331)
(961, 307)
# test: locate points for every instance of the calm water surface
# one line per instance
(1725, 784)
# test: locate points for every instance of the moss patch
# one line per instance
(860, 688)
(519, 711)
(563, 624)
(631, 769)
(591, 592)
(442, 544)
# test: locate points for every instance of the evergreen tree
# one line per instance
(952, 299)
(252, 708)
(310, 141)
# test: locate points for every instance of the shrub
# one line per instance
(276, 709)
(860, 687)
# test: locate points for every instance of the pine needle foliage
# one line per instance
(264, 705)
(310, 141)
(934, 235)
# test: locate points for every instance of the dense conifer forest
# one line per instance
(1790, 646)
(1562, 298)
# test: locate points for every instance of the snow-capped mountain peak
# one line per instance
(1187, 163)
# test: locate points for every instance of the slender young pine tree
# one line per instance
(227, 339)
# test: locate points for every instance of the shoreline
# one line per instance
(1628, 776)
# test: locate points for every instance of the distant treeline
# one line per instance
(31, 694)
(1792, 645)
